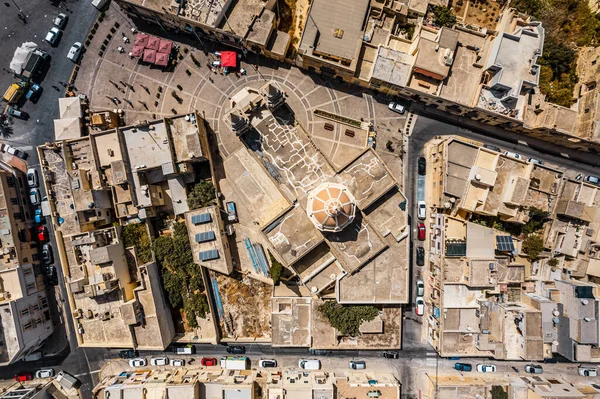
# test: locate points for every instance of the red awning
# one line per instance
(150, 56)
(165, 46)
(153, 43)
(137, 50)
(162, 59)
(228, 59)
(141, 39)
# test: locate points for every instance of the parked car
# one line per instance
(592, 179)
(159, 361)
(309, 364)
(44, 373)
(419, 306)
(513, 155)
(34, 92)
(60, 21)
(14, 111)
(357, 364)
(492, 147)
(99, 4)
(420, 256)
(535, 161)
(42, 234)
(236, 349)
(74, 52)
(139, 362)
(177, 362)
(486, 368)
(422, 232)
(34, 196)
(47, 254)
(32, 178)
(587, 371)
(21, 377)
(208, 361)
(421, 210)
(465, 367)
(421, 166)
(396, 107)
(264, 363)
(52, 277)
(16, 152)
(53, 36)
(533, 369)
(390, 354)
(128, 354)
(420, 288)
(38, 217)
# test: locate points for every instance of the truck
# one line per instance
(28, 61)
(67, 381)
(235, 362)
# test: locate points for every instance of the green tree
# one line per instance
(347, 318)
(135, 235)
(553, 262)
(276, 269)
(443, 16)
(537, 218)
(498, 392)
(533, 246)
(202, 194)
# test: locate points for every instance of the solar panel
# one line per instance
(505, 244)
(201, 219)
(209, 255)
(205, 236)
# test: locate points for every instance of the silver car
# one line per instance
(34, 196)
(74, 52)
(61, 20)
(53, 36)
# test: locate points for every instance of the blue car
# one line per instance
(34, 92)
(463, 367)
(39, 218)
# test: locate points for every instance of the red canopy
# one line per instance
(165, 46)
(228, 59)
(153, 43)
(137, 50)
(141, 39)
(162, 59)
(150, 56)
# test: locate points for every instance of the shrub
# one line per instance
(276, 269)
(553, 262)
(135, 235)
(498, 392)
(202, 194)
(347, 318)
(443, 16)
(533, 246)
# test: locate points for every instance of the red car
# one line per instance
(208, 361)
(21, 377)
(42, 234)
(422, 231)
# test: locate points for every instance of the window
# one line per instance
(21, 182)
(39, 320)
(31, 286)
(44, 302)
(24, 312)
(28, 270)
(11, 181)
(35, 307)
(14, 201)
(27, 326)
(18, 215)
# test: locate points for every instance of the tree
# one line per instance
(498, 392)
(276, 269)
(347, 318)
(533, 246)
(443, 16)
(202, 194)
(553, 262)
(135, 235)
(537, 218)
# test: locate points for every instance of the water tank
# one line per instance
(555, 320)
(314, 289)
(555, 313)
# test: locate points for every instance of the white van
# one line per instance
(185, 350)
(309, 364)
(99, 4)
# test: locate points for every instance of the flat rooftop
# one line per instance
(290, 322)
(240, 15)
(460, 158)
(392, 66)
(184, 133)
(206, 239)
(334, 27)
(107, 147)
(147, 147)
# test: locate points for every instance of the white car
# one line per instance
(420, 288)
(588, 371)
(32, 178)
(419, 306)
(53, 36)
(61, 20)
(44, 373)
(74, 52)
(34, 196)
(177, 362)
(486, 368)
(139, 362)
(396, 107)
(421, 210)
(512, 155)
(159, 361)
(535, 161)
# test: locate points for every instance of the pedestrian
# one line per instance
(116, 100)
(56, 88)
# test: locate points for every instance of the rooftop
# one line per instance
(210, 247)
(334, 28)
(434, 58)
(147, 146)
(392, 66)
